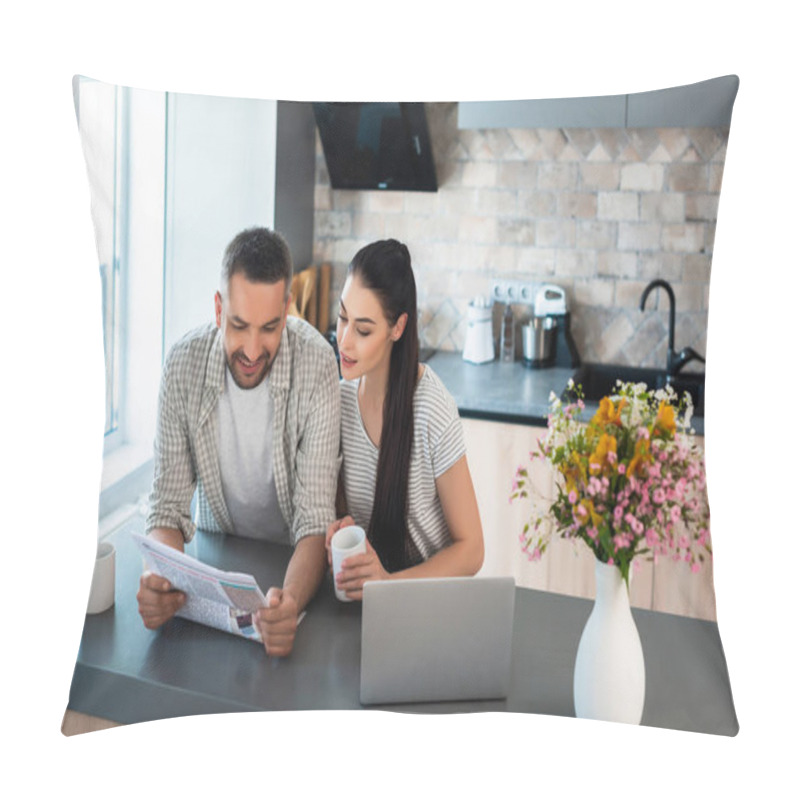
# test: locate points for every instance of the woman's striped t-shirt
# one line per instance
(438, 444)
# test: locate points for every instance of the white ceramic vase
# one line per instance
(609, 675)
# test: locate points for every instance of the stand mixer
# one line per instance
(547, 340)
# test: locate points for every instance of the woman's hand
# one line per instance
(344, 522)
(357, 570)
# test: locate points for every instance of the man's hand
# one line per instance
(278, 622)
(158, 601)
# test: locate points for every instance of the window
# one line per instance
(102, 126)
(171, 177)
(123, 135)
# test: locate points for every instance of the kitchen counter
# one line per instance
(128, 674)
(500, 391)
(505, 392)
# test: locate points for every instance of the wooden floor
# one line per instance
(74, 723)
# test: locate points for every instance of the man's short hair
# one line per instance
(261, 255)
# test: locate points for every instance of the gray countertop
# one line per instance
(506, 392)
(127, 673)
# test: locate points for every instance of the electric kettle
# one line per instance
(479, 341)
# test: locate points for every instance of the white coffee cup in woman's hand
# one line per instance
(344, 522)
(345, 542)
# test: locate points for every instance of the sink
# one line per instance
(599, 380)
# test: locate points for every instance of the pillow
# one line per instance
(594, 195)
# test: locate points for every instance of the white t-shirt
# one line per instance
(245, 461)
(438, 444)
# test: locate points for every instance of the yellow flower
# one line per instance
(608, 415)
(599, 459)
(574, 471)
(585, 513)
(665, 419)
(641, 456)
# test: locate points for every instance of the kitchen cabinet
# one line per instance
(494, 450)
(75, 723)
(704, 104)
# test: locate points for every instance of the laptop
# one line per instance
(436, 639)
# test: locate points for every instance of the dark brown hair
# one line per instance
(261, 255)
(384, 268)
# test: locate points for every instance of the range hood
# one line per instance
(376, 146)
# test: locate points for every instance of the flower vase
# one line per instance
(609, 677)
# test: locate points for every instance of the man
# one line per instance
(249, 415)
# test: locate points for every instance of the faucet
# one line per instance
(675, 361)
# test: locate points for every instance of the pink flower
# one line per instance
(573, 497)
(535, 554)
(695, 567)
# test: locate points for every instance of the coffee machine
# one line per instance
(546, 339)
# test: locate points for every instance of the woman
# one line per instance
(404, 477)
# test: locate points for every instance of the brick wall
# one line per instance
(600, 212)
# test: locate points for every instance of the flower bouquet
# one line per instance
(630, 482)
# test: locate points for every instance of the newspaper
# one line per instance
(223, 600)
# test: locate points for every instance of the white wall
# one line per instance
(220, 179)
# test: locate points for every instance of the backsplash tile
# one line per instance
(600, 212)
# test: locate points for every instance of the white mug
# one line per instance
(101, 595)
(346, 542)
